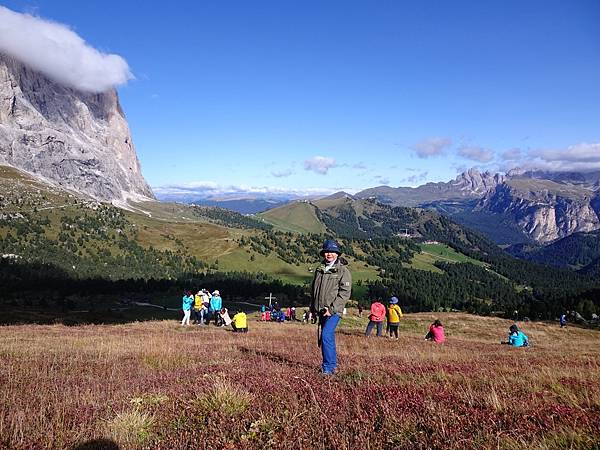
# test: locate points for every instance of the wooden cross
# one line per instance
(270, 298)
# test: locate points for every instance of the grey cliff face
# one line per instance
(546, 212)
(474, 183)
(78, 140)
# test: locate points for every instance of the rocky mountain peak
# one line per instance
(80, 141)
(476, 182)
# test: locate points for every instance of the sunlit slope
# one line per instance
(433, 253)
(298, 217)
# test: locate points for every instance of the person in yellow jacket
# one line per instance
(394, 313)
(239, 323)
(198, 313)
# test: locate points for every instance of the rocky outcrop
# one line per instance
(474, 183)
(543, 209)
(80, 141)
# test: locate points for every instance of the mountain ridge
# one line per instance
(543, 206)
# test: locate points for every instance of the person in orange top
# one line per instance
(376, 318)
(394, 313)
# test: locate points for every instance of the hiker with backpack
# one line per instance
(376, 318)
(331, 289)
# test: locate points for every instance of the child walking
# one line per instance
(394, 315)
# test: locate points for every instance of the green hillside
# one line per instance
(297, 217)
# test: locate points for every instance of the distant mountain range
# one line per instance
(519, 207)
(242, 205)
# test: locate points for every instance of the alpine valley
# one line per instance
(82, 234)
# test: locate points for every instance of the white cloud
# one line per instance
(59, 53)
(431, 147)
(416, 178)
(580, 157)
(479, 154)
(211, 189)
(320, 164)
(282, 173)
(512, 154)
(383, 180)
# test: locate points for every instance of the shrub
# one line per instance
(223, 398)
(131, 429)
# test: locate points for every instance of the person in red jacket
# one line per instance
(436, 332)
(376, 318)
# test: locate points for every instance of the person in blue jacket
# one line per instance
(517, 338)
(563, 320)
(186, 304)
(216, 303)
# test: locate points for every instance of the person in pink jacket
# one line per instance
(436, 332)
(376, 317)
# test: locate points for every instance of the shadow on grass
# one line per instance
(280, 359)
(97, 444)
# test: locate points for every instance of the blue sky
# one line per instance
(302, 96)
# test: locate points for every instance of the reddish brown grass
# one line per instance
(158, 385)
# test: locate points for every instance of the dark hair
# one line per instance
(514, 329)
(437, 323)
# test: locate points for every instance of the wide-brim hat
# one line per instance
(216, 292)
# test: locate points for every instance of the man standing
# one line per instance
(331, 288)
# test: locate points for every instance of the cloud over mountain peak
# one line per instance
(59, 53)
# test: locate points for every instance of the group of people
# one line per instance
(208, 307)
(393, 313)
(436, 334)
(273, 313)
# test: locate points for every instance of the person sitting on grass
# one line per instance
(225, 319)
(393, 315)
(376, 318)
(239, 323)
(517, 338)
(436, 332)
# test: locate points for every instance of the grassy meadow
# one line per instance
(159, 385)
(297, 217)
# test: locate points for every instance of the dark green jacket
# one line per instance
(331, 289)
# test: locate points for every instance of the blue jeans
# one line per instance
(371, 325)
(328, 343)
